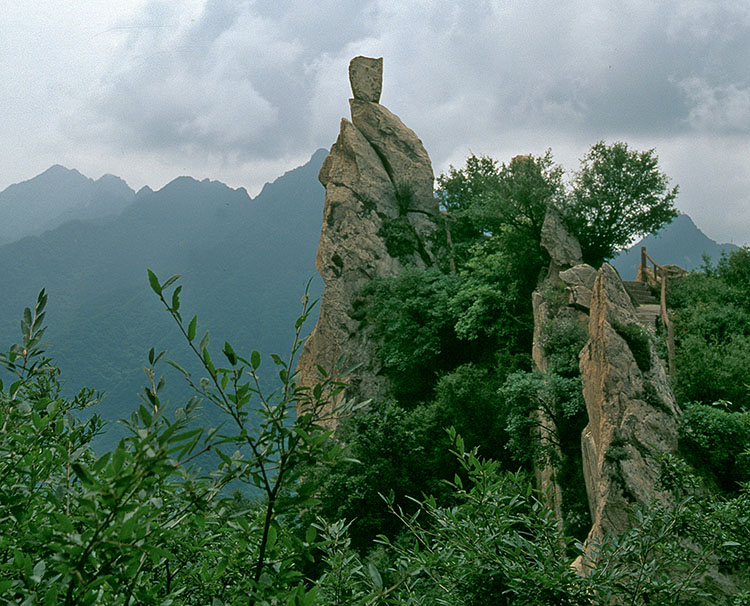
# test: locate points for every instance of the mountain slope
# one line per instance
(57, 196)
(679, 243)
(244, 265)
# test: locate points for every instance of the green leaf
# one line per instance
(255, 359)
(375, 575)
(272, 533)
(154, 282)
(38, 322)
(101, 462)
(174, 364)
(170, 281)
(145, 415)
(204, 342)
(83, 474)
(118, 457)
(175, 297)
(192, 327)
(41, 301)
(38, 573)
(50, 598)
(310, 534)
(229, 353)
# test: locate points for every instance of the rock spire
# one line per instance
(380, 215)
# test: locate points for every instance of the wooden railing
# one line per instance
(661, 274)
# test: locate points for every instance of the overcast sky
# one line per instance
(242, 91)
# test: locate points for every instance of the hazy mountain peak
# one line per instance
(56, 196)
(299, 176)
(679, 243)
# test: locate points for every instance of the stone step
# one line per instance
(640, 293)
(648, 314)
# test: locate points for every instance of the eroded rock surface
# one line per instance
(632, 413)
(366, 78)
(563, 248)
(380, 215)
(562, 297)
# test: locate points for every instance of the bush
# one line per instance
(390, 452)
(638, 342)
(711, 317)
(564, 338)
(717, 441)
(138, 524)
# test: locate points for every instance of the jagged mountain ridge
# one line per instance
(56, 196)
(679, 243)
(244, 264)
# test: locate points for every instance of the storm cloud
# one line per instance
(242, 91)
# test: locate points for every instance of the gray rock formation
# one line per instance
(563, 248)
(366, 78)
(561, 297)
(632, 413)
(380, 215)
(579, 281)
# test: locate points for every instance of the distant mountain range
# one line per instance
(244, 264)
(57, 196)
(679, 243)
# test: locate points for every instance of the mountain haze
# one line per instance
(57, 196)
(244, 264)
(679, 243)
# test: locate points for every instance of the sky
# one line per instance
(242, 91)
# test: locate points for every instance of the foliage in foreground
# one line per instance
(141, 525)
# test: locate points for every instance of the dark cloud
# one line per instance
(240, 88)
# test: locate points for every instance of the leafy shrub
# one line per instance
(139, 524)
(717, 440)
(564, 338)
(711, 316)
(638, 342)
(410, 319)
(390, 451)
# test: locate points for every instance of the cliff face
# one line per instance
(568, 276)
(380, 215)
(632, 415)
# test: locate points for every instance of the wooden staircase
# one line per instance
(647, 306)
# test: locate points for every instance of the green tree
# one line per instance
(485, 199)
(618, 195)
(711, 316)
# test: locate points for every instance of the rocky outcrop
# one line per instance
(366, 78)
(632, 413)
(560, 298)
(563, 248)
(380, 215)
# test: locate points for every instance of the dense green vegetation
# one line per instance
(140, 524)
(474, 328)
(712, 332)
(423, 499)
